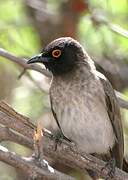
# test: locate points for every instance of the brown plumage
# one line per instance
(82, 100)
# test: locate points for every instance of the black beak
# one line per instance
(37, 59)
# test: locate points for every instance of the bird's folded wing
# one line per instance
(115, 117)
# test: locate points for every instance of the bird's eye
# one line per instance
(56, 53)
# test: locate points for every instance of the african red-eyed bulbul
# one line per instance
(83, 101)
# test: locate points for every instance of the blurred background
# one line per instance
(26, 26)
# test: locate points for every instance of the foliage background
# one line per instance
(27, 25)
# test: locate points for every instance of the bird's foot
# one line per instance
(59, 136)
(110, 165)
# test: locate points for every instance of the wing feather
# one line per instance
(115, 117)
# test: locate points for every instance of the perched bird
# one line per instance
(83, 101)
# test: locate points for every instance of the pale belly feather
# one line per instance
(90, 129)
(82, 114)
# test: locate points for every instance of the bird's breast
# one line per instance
(81, 111)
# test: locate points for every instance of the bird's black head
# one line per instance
(60, 56)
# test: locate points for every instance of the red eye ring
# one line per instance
(56, 53)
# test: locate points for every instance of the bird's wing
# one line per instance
(115, 117)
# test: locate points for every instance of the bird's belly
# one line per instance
(90, 130)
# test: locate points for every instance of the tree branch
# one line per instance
(29, 167)
(66, 153)
(121, 100)
(119, 30)
(16, 124)
(101, 19)
(71, 157)
(22, 62)
(7, 134)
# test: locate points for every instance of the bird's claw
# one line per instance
(59, 136)
(111, 164)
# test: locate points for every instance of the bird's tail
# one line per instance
(125, 165)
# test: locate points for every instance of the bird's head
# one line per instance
(60, 56)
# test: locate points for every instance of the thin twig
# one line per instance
(36, 83)
(121, 99)
(22, 73)
(22, 62)
(100, 19)
(117, 29)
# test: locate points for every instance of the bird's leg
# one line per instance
(59, 136)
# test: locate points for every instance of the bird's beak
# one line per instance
(38, 59)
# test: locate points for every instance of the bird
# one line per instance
(83, 101)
